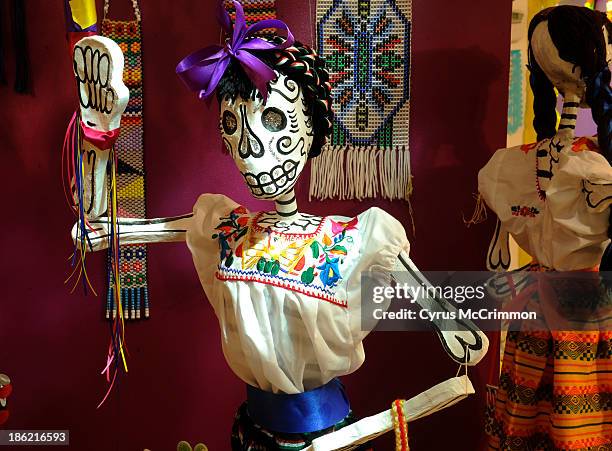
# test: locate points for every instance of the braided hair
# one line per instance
(577, 34)
(301, 64)
(544, 96)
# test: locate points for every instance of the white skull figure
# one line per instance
(103, 97)
(268, 141)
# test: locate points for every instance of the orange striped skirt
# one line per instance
(555, 390)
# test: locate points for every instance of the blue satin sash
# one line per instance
(298, 413)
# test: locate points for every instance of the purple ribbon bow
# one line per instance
(203, 69)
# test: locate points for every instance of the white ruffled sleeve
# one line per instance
(590, 172)
(382, 239)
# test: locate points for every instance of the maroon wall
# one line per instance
(52, 344)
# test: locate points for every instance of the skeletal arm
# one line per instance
(95, 198)
(498, 255)
(135, 231)
(461, 338)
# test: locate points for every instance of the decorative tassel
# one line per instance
(131, 300)
(400, 425)
(480, 212)
(22, 78)
(349, 172)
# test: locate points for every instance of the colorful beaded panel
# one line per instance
(130, 171)
(366, 46)
(309, 263)
(254, 11)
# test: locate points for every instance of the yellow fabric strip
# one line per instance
(84, 12)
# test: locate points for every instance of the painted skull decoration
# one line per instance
(274, 99)
(269, 141)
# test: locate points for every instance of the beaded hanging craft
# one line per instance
(130, 171)
(366, 47)
(254, 10)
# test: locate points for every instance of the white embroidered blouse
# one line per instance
(288, 304)
(564, 227)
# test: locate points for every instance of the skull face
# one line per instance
(98, 68)
(269, 142)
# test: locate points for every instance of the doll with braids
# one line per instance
(285, 285)
(554, 197)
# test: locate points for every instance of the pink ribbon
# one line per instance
(102, 140)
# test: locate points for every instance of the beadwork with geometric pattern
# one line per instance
(130, 170)
(254, 10)
(366, 47)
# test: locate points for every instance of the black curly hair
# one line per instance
(299, 63)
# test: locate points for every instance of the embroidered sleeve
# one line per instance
(204, 249)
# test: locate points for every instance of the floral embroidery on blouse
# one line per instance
(310, 263)
(584, 143)
(231, 229)
(529, 212)
(527, 147)
(328, 252)
(578, 145)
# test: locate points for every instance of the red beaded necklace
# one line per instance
(541, 192)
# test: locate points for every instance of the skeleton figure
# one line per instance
(285, 284)
(556, 150)
(553, 197)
